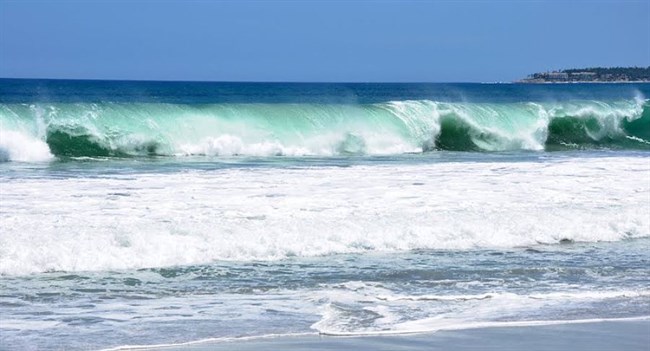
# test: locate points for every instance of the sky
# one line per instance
(318, 41)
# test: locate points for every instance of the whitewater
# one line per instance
(159, 213)
(131, 221)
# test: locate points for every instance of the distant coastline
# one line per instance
(592, 75)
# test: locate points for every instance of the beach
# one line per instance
(603, 335)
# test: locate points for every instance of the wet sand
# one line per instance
(607, 335)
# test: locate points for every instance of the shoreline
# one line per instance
(606, 334)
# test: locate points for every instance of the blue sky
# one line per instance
(368, 41)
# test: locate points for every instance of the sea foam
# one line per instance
(180, 218)
(16, 146)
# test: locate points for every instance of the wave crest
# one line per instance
(139, 129)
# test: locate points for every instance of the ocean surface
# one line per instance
(151, 213)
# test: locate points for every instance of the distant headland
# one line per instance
(593, 74)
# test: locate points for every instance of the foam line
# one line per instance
(478, 325)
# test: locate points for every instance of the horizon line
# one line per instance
(259, 81)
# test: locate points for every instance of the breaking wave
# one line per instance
(41, 132)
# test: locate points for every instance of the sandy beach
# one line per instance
(605, 335)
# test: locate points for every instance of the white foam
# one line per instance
(404, 314)
(157, 220)
(323, 145)
(17, 146)
(637, 139)
(568, 295)
(230, 145)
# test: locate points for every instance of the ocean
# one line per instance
(167, 213)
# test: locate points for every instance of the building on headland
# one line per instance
(556, 76)
(583, 76)
(552, 76)
(596, 74)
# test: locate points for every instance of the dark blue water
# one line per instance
(30, 91)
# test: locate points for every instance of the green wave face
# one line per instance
(140, 129)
